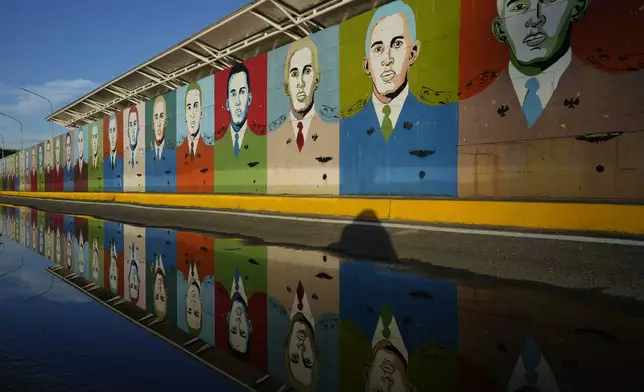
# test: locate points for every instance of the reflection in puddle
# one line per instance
(316, 322)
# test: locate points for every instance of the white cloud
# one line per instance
(32, 110)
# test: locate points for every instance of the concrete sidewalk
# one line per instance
(615, 268)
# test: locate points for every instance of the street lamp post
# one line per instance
(19, 122)
(51, 108)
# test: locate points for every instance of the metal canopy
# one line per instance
(261, 26)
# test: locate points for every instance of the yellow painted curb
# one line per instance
(622, 218)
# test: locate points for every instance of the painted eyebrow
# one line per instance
(293, 69)
(400, 37)
(376, 43)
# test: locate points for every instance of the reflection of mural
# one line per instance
(95, 159)
(303, 152)
(114, 258)
(81, 247)
(240, 107)
(195, 291)
(553, 120)
(69, 231)
(161, 136)
(398, 332)
(59, 239)
(113, 153)
(134, 271)
(34, 230)
(68, 169)
(41, 234)
(303, 309)
(80, 169)
(395, 144)
(240, 309)
(195, 151)
(97, 251)
(161, 274)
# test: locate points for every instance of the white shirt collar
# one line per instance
(306, 122)
(158, 149)
(113, 156)
(548, 79)
(196, 140)
(241, 132)
(396, 106)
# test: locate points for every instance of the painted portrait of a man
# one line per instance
(134, 149)
(81, 169)
(240, 327)
(34, 169)
(395, 144)
(194, 303)
(113, 161)
(195, 157)
(58, 172)
(160, 153)
(49, 180)
(160, 290)
(296, 147)
(68, 170)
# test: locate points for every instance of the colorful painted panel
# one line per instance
(398, 331)
(240, 127)
(113, 264)
(49, 165)
(303, 116)
(395, 137)
(69, 252)
(134, 271)
(97, 250)
(195, 285)
(50, 244)
(303, 311)
(240, 295)
(68, 167)
(59, 239)
(554, 113)
(81, 247)
(95, 172)
(160, 144)
(161, 274)
(113, 152)
(195, 137)
(34, 230)
(134, 149)
(81, 171)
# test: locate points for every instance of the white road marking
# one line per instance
(391, 225)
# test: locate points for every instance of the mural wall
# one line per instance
(471, 99)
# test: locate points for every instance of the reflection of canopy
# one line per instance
(387, 329)
(301, 305)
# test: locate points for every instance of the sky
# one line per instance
(64, 49)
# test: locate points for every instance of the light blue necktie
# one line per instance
(236, 144)
(532, 103)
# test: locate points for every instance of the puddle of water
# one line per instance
(317, 321)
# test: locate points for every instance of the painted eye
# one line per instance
(398, 44)
(294, 74)
(377, 49)
(521, 6)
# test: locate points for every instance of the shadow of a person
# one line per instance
(366, 237)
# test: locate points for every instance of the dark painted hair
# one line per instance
(238, 68)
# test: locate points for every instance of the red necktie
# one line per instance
(192, 150)
(300, 136)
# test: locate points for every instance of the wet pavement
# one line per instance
(309, 317)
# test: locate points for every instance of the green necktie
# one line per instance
(387, 127)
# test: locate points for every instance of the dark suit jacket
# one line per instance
(196, 175)
(419, 158)
(80, 178)
(113, 174)
(160, 173)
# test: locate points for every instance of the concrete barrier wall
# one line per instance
(472, 99)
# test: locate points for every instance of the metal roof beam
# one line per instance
(202, 58)
(290, 13)
(154, 78)
(162, 74)
(318, 10)
(277, 26)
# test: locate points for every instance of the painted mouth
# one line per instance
(535, 39)
(387, 76)
(301, 96)
(301, 335)
(192, 124)
(238, 112)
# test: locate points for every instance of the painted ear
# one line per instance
(579, 10)
(250, 98)
(413, 54)
(250, 326)
(286, 92)
(498, 28)
(365, 66)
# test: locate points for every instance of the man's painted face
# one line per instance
(58, 246)
(48, 154)
(81, 145)
(95, 260)
(194, 307)
(114, 273)
(57, 151)
(133, 128)
(387, 373)
(194, 111)
(68, 148)
(95, 141)
(159, 120)
(40, 161)
(160, 293)
(134, 283)
(81, 256)
(239, 98)
(238, 327)
(536, 29)
(68, 258)
(390, 53)
(302, 79)
(33, 159)
(112, 134)
(302, 353)
(34, 236)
